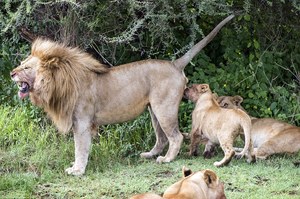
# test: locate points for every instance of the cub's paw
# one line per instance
(193, 153)
(208, 154)
(73, 171)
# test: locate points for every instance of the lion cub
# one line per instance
(269, 136)
(218, 126)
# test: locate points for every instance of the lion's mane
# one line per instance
(58, 79)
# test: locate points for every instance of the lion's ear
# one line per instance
(210, 177)
(51, 63)
(237, 100)
(186, 171)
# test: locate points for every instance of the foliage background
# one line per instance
(257, 56)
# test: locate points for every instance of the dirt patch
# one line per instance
(288, 192)
(165, 174)
(232, 188)
(259, 180)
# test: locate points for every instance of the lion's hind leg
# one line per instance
(161, 139)
(167, 118)
(164, 102)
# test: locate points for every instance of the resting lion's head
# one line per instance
(52, 75)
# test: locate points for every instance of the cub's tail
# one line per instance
(248, 148)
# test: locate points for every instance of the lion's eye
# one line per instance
(225, 105)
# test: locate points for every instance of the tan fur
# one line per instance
(230, 102)
(77, 91)
(219, 126)
(269, 136)
(203, 184)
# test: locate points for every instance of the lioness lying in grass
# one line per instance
(203, 184)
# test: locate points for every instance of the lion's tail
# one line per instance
(181, 62)
(246, 125)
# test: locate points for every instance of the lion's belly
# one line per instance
(119, 114)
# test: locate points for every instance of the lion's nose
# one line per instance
(12, 74)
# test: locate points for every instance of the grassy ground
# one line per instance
(33, 158)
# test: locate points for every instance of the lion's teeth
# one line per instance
(19, 84)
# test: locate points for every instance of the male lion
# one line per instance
(77, 91)
(203, 184)
(218, 126)
(269, 136)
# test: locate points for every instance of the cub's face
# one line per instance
(191, 93)
(25, 74)
(195, 91)
(230, 102)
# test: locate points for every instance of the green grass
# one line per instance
(33, 157)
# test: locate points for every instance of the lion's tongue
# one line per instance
(24, 90)
(22, 95)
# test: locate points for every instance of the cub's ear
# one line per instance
(237, 100)
(220, 99)
(210, 177)
(51, 63)
(186, 171)
(203, 88)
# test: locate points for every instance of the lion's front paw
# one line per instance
(162, 159)
(218, 164)
(147, 155)
(74, 171)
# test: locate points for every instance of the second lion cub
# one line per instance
(218, 126)
(269, 136)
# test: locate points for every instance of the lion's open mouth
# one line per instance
(23, 89)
